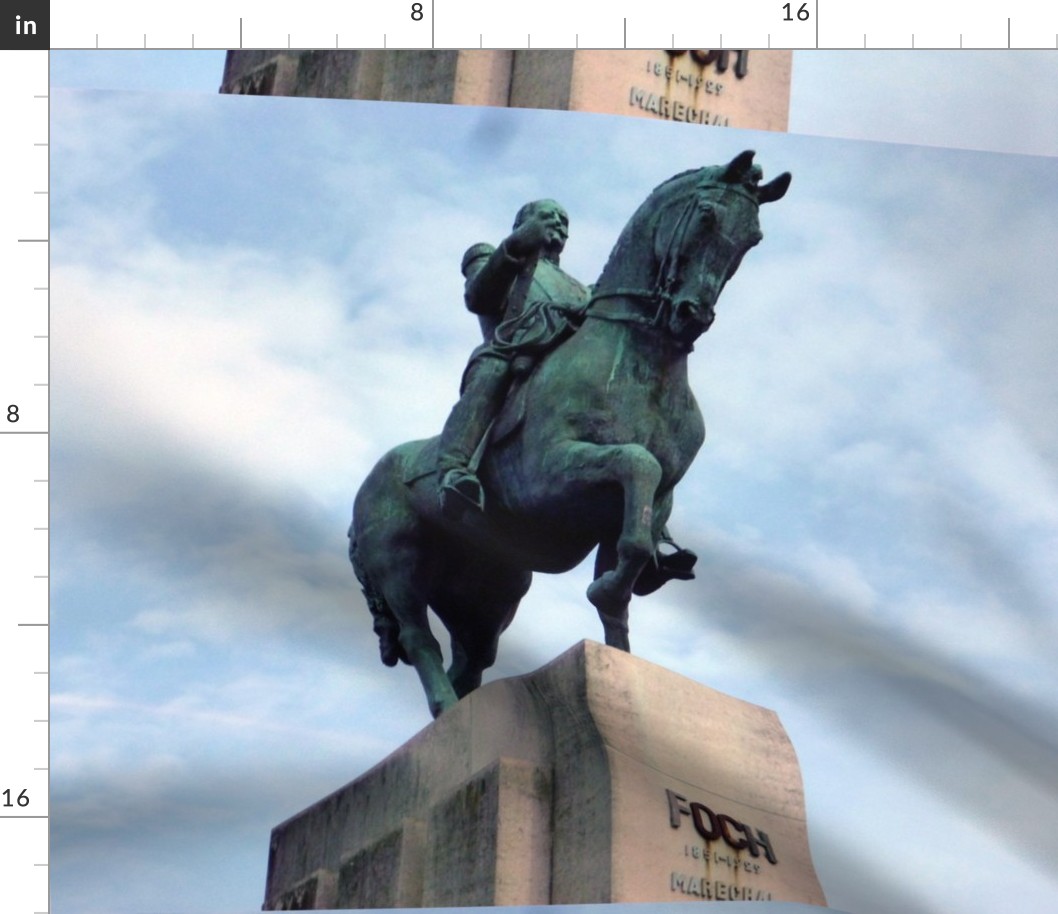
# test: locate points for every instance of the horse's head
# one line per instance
(687, 240)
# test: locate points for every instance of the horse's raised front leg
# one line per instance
(638, 473)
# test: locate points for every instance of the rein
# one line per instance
(657, 322)
(666, 276)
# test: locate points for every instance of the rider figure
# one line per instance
(526, 304)
(509, 287)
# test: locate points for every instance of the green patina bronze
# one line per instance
(574, 426)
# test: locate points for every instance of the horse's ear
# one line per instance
(738, 168)
(774, 189)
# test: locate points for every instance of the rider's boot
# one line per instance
(458, 483)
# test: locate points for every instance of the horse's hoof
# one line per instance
(437, 708)
(667, 566)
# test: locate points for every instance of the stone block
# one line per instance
(496, 848)
(387, 873)
(599, 778)
(313, 893)
(738, 88)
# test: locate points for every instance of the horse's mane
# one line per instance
(648, 208)
(675, 178)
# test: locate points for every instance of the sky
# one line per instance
(253, 299)
(1001, 101)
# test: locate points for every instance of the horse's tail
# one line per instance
(386, 625)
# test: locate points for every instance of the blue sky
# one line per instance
(252, 299)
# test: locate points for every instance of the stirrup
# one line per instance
(461, 489)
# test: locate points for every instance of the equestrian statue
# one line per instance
(574, 425)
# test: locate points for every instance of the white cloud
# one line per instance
(220, 390)
(990, 100)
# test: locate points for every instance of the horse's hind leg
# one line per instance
(638, 473)
(470, 658)
(407, 601)
(474, 651)
(420, 646)
(393, 554)
(476, 617)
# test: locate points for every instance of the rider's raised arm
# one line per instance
(490, 273)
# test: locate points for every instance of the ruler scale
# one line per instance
(752, 24)
(441, 24)
(24, 514)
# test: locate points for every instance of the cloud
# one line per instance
(270, 299)
(810, 641)
(989, 100)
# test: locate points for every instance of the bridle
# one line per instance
(661, 295)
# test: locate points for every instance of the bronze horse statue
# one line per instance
(584, 456)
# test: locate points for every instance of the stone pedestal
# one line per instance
(598, 778)
(748, 89)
